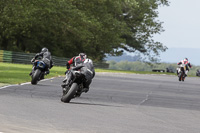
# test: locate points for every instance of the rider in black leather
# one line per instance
(46, 57)
(87, 63)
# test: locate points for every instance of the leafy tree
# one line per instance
(140, 16)
(68, 27)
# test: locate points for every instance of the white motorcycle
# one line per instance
(181, 73)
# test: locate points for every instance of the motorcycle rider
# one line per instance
(184, 63)
(75, 61)
(46, 57)
(89, 72)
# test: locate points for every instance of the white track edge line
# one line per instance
(22, 84)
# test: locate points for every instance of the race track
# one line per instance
(116, 103)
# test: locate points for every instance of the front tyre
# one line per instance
(183, 77)
(36, 76)
(70, 94)
(180, 76)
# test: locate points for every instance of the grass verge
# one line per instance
(19, 73)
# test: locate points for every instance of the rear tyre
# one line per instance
(70, 94)
(36, 76)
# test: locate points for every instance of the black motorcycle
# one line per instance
(75, 87)
(39, 70)
(198, 73)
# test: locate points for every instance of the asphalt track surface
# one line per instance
(116, 103)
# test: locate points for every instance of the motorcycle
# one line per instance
(75, 87)
(39, 71)
(198, 73)
(181, 73)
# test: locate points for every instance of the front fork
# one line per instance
(183, 69)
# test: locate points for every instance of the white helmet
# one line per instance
(44, 50)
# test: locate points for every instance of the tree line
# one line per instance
(67, 27)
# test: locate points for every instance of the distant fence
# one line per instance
(25, 58)
(162, 70)
(158, 70)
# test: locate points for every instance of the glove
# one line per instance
(37, 54)
(33, 60)
(68, 65)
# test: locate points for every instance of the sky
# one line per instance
(181, 24)
(182, 31)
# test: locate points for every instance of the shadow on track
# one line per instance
(95, 104)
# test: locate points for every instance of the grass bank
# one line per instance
(19, 73)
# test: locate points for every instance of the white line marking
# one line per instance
(6, 87)
(22, 84)
(25, 83)
(147, 98)
(47, 79)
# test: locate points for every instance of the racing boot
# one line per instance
(47, 72)
(86, 89)
(86, 86)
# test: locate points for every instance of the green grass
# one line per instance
(19, 73)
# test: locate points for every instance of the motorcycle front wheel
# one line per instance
(36, 76)
(181, 78)
(70, 94)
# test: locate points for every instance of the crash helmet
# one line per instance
(44, 50)
(83, 55)
(186, 59)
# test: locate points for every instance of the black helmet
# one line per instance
(83, 55)
(44, 50)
